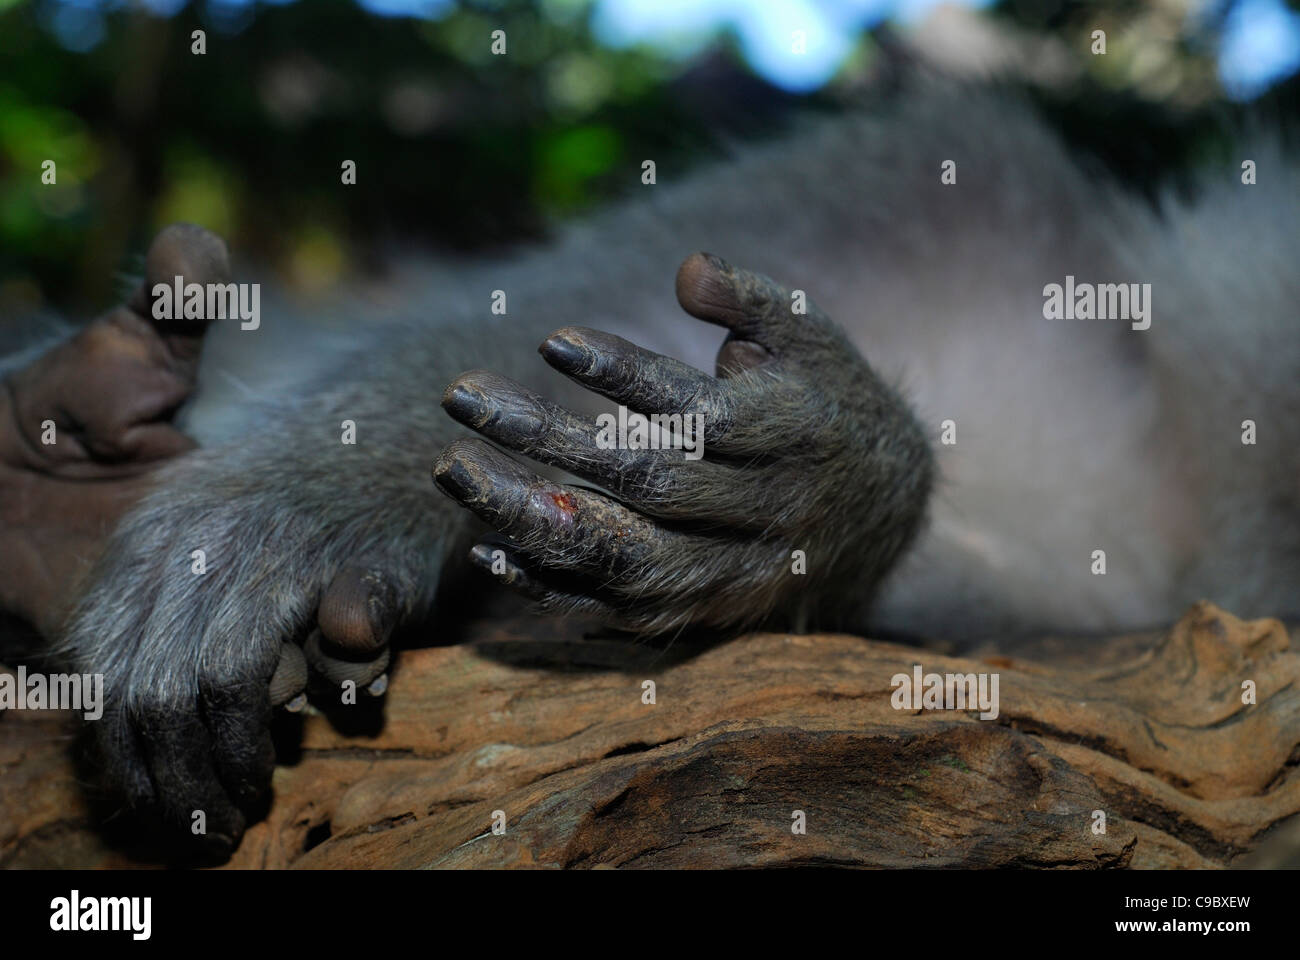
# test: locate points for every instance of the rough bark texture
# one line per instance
(555, 733)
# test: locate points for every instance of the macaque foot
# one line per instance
(219, 598)
(752, 495)
(354, 620)
(83, 426)
(196, 667)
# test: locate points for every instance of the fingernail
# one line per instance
(455, 478)
(378, 686)
(466, 405)
(296, 704)
(566, 355)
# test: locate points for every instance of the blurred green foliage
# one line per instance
(455, 148)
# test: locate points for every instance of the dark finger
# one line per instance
(661, 482)
(125, 771)
(510, 569)
(759, 312)
(562, 526)
(179, 753)
(639, 379)
(239, 719)
(651, 383)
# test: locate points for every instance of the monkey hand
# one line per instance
(800, 479)
(246, 571)
(195, 616)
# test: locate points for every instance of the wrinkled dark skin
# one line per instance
(321, 550)
(791, 400)
(111, 391)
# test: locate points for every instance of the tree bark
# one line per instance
(1148, 736)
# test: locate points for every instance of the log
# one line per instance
(558, 735)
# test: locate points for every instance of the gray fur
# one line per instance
(1072, 435)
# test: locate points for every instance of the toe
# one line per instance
(290, 677)
(195, 255)
(358, 612)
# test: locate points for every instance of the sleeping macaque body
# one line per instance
(898, 432)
